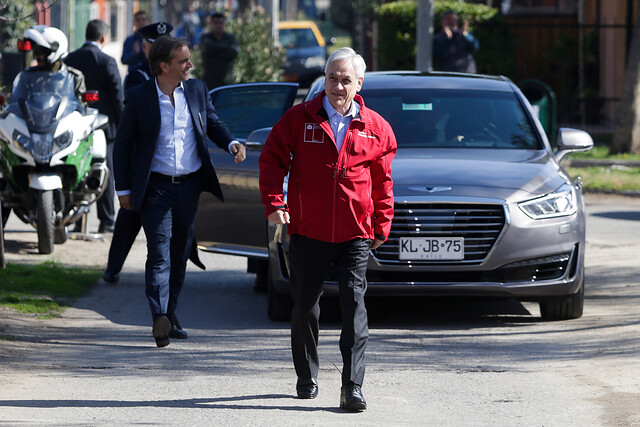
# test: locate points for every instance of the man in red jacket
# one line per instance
(338, 155)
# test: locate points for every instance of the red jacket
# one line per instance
(332, 196)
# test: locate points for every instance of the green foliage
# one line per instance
(259, 58)
(37, 288)
(17, 18)
(342, 13)
(397, 35)
(608, 179)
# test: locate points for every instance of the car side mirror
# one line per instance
(571, 141)
(257, 138)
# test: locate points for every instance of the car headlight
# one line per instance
(562, 202)
(314, 61)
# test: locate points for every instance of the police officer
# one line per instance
(141, 72)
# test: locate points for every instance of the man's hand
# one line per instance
(375, 244)
(279, 217)
(239, 151)
(448, 31)
(465, 28)
(125, 202)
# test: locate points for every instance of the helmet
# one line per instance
(51, 39)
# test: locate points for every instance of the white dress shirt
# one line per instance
(176, 152)
(339, 123)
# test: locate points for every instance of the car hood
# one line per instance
(506, 175)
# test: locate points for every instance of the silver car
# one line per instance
(482, 205)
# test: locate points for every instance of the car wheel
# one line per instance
(567, 308)
(278, 305)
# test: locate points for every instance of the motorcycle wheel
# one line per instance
(44, 221)
(60, 235)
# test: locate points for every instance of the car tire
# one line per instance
(567, 308)
(278, 305)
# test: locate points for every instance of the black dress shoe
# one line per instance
(110, 277)
(161, 329)
(351, 398)
(307, 389)
(176, 330)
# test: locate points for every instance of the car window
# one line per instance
(297, 37)
(439, 118)
(245, 108)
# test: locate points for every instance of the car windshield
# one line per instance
(439, 118)
(297, 37)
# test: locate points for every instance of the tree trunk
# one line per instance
(626, 137)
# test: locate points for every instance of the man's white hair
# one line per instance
(350, 55)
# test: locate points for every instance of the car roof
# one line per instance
(291, 25)
(435, 80)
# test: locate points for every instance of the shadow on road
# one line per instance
(623, 215)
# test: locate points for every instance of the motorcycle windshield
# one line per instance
(41, 98)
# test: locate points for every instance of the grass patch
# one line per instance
(601, 152)
(616, 178)
(43, 288)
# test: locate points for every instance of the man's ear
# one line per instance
(103, 39)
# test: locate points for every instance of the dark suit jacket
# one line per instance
(101, 74)
(139, 129)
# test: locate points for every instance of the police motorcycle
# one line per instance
(52, 149)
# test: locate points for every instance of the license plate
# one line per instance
(431, 248)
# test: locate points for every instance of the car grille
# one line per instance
(479, 225)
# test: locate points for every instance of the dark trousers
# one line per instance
(310, 260)
(105, 205)
(167, 214)
(125, 231)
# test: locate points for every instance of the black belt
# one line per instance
(174, 179)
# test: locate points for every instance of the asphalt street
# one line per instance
(452, 362)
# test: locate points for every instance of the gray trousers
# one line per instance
(310, 261)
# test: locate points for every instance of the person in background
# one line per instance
(132, 52)
(162, 164)
(141, 72)
(101, 74)
(338, 155)
(453, 48)
(49, 47)
(219, 51)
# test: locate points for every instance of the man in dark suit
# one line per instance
(162, 165)
(101, 74)
(128, 222)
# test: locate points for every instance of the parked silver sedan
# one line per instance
(482, 206)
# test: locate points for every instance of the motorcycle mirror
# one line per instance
(24, 45)
(90, 96)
